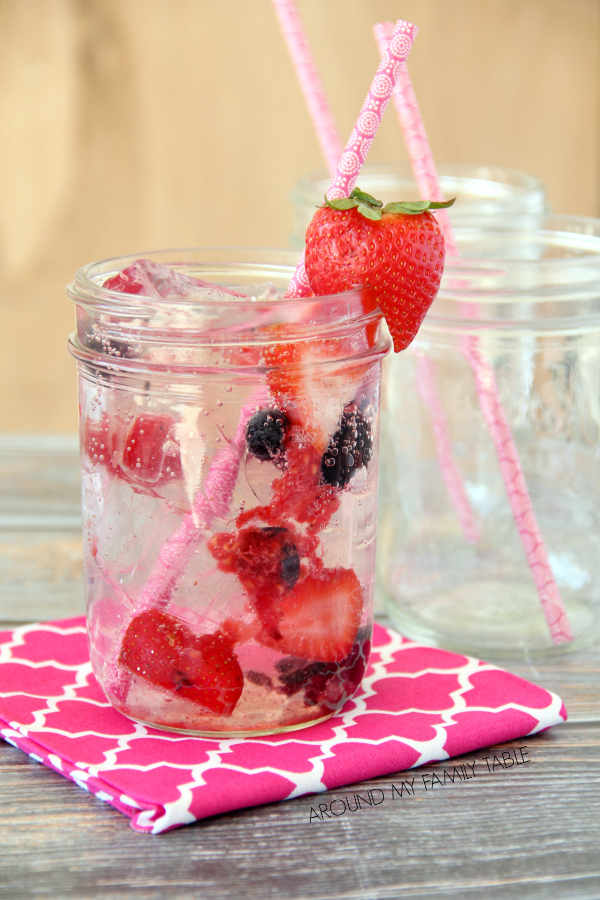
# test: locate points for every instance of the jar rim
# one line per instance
(504, 177)
(85, 287)
(151, 328)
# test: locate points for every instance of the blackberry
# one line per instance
(265, 433)
(296, 674)
(350, 448)
(258, 678)
(326, 683)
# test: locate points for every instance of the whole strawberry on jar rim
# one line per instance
(397, 250)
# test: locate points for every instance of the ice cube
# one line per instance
(152, 279)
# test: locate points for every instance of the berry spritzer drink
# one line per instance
(229, 469)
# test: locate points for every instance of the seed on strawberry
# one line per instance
(200, 668)
(397, 250)
(265, 434)
(350, 447)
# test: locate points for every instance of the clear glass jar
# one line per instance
(529, 301)
(479, 191)
(229, 555)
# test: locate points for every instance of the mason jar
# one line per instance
(488, 191)
(508, 359)
(229, 444)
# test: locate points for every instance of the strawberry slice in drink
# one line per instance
(150, 453)
(146, 453)
(200, 668)
(307, 380)
(319, 619)
(268, 558)
(300, 493)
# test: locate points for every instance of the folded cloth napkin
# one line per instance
(416, 705)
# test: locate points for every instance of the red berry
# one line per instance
(150, 453)
(101, 441)
(261, 557)
(200, 668)
(146, 454)
(398, 253)
(319, 619)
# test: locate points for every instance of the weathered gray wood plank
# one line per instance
(527, 831)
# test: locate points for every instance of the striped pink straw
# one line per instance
(364, 131)
(310, 82)
(485, 377)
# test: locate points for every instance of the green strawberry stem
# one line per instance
(371, 208)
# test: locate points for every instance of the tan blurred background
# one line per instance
(130, 125)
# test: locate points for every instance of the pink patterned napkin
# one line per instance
(417, 705)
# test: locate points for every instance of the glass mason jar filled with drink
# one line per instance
(229, 479)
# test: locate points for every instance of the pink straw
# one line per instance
(310, 82)
(485, 378)
(451, 474)
(364, 131)
(177, 551)
(324, 125)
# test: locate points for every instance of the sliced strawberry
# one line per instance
(152, 279)
(102, 441)
(319, 619)
(200, 668)
(150, 450)
(131, 280)
(307, 378)
(146, 454)
(326, 684)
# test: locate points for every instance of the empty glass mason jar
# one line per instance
(229, 469)
(479, 191)
(517, 318)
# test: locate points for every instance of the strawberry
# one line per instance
(146, 454)
(319, 618)
(325, 683)
(200, 668)
(397, 250)
(101, 440)
(150, 453)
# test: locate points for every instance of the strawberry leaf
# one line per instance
(370, 212)
(357, 194)
(341, 203)
(415, 207)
